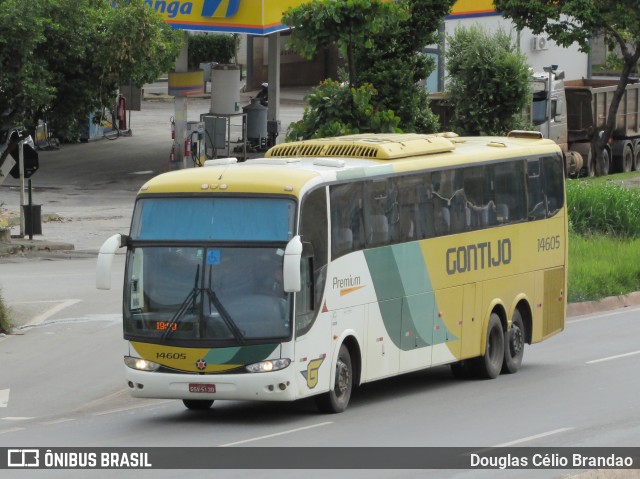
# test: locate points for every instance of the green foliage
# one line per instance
(67, 57)
(348, 24)
(601, 266)
(572, 21)
(382, 44)
(211, 48)
(395, 62)
(488, 85)
(604, 208)
(604, 238)
(5, 320)
(335, 110)
(569, 21)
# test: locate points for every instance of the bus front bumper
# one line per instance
(271, 386)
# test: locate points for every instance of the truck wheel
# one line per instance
(622, 156)
(337, 399)
(606, 162)
(514, 344)
(636, 155)
(627, 159)
(489, 365)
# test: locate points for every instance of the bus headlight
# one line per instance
(141, 364)
(268, 366)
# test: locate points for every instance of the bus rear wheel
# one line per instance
(337, 399)
(514, 344)
(489, 365)
(197, 404)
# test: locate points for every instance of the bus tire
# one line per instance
(337, 399)
(514, 344)
(197, 404)
(489, 365)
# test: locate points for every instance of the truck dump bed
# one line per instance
(588, 104)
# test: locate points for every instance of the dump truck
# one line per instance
(578, 110)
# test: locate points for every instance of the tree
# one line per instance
(336, 109)
(396, 62)
(382, 44)
(66, 58)
(348, 24)
(577, 21)
(488, 85)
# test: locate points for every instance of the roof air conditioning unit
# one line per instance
(539, 43)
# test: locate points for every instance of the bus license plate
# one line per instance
(202, 388)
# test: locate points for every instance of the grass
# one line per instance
(5, 322)
(601, 266)
(604, 236)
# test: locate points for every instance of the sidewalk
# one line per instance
(77, 216)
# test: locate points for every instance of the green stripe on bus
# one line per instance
(399, 274)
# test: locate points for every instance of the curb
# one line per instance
(607, 304)
(21, 245)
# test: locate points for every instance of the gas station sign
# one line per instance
(472, 8)
(256, 17)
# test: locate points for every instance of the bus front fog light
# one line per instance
(268, 366)
(141, 364)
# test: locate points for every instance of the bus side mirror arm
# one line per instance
(291, 266)
(105, 259)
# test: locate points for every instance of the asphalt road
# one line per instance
(61, 378)
(62, 385)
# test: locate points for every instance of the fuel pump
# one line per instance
(194, 148)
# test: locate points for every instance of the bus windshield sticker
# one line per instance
(213, 256)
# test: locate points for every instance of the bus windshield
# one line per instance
(208, 270)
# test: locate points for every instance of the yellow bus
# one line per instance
(335, 262)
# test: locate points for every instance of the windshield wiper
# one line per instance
(184, 306)
(224, 314)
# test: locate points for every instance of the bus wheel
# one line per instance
(197, 404)
(337, 399)
(489, 365)
(514, 344)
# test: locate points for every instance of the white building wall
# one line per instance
(574, 63)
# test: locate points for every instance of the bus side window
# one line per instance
(405, 219)
(347, 219)
(510, 198)
(425, 217)
(380, 200)
(537, 202)
(313, 269)
(553, 176)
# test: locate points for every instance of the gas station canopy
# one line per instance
(255, 17)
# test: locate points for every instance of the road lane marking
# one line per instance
(10, 418)
(269, 436)
(128, 408)
(610, 358)
(57, 421)
(13, 429)
(591, 316)
(4, 397)
(536, 436)
(40, 318)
